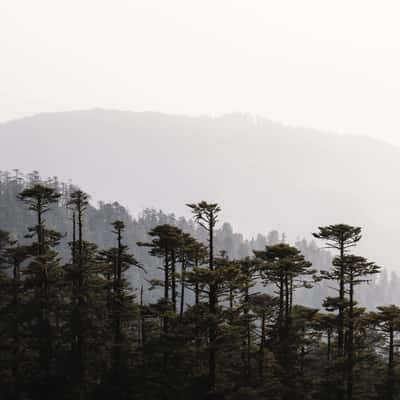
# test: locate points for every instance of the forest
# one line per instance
(96, 304)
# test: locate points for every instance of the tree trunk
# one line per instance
(80, 334)
(350, 355)
(213, 310)
(117, 309)
(183, 271)
(390, 364)
(261, 349)
(173, 279)
(341, 305)
(16, 336)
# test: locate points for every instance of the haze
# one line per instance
(327, 65)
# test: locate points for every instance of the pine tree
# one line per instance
(14, 256)
(340, 237)
(121, 303)
(265, 308)
(285, 267)
(87, 326)
(355, 270)
(387, 322)
(43, 280)
(165, 244)
(206, 215)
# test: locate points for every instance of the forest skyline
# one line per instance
(295, 177)
(382, 290)
(82, 326)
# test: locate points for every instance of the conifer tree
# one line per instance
(265, 307)
(43, 279)
(87, 327)
(189, 256)
(165, 244)
(119, 261)
(78, 275)
(14, 256)
(387, 322)
(206, 215)
(355, 270)
(285, 267)
(340, 237)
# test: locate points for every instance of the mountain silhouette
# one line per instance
(264, 174)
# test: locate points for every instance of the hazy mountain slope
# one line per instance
(265, 175)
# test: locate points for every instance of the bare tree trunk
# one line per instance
(261, 349)
(390, 364)
(183, 272)
(213, 311)
(16, 336)
(173, 279)
(350, 355)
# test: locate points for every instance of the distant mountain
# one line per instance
(265, 175)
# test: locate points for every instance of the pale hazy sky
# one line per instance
(323, 64)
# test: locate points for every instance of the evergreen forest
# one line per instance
(97, 304)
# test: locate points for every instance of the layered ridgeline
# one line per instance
(265, 175)
(15, 218)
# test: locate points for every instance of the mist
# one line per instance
(326, 66)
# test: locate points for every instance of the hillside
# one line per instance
(265, 175)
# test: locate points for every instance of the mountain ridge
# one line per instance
(244, 116)
(266, 175)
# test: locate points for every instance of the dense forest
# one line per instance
(96, 304)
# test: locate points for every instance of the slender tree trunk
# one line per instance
(328, 369)
(390, 364)
(196, 294)
(183, 272)
(213, 311)
(73, 239)
(45, 340)
(281, 305)
(141, 329)
(16, 336)
(165, 320)
(231, 298)
(39, 228)
(350, 355)
(173, 279)
(248, 361)
(166, 275)
(196, 286)
(302, 362)
(329, 334)
(261, 349)
(117, 309)
(287, 301)
(248, 333)
(80, 333)
(142, 340)
(341, 305)
(341, 348)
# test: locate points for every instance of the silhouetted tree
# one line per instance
(206, 215)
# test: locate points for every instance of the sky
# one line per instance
(314, 63)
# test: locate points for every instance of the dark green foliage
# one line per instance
(82, 318)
